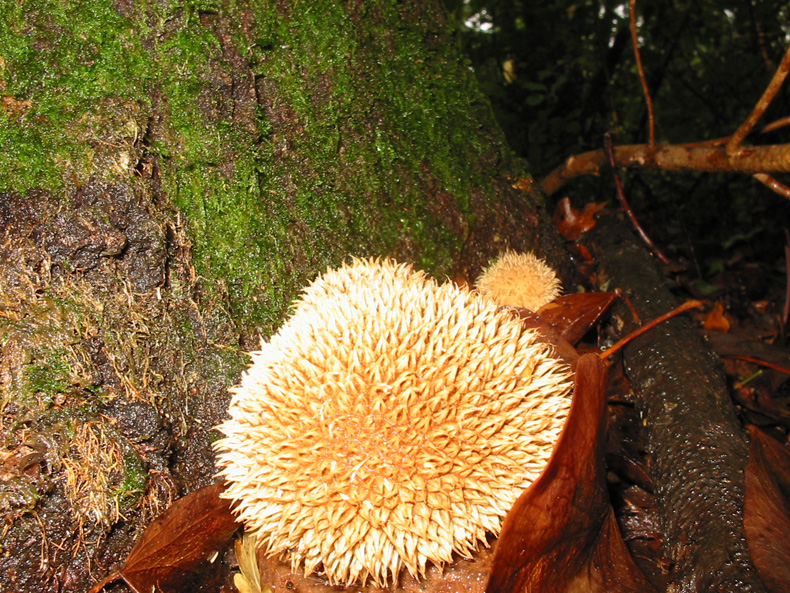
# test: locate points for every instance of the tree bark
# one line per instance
(697, 448)
(173, 173)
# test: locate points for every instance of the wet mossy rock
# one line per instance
(172, 174)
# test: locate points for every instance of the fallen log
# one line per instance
(696, 446)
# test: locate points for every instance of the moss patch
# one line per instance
(289, 139)
(101, 384)
(47, 378)
(61, 62)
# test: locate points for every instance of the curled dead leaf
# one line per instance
(571, 222)
(561, 535)
(715, 320)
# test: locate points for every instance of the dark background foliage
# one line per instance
(562, 73)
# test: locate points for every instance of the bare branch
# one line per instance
(773, 184)
(754, 159)
(776, 124)
(734, 144)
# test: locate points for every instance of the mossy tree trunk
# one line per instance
(171, 174)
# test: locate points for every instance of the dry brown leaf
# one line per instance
(766, 515)
(561, 534)
(562, 347)
(716, 321)
(571, 222)
(573, 315)
(565, 320)
(176, 549)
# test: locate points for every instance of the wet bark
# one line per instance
(697, 448)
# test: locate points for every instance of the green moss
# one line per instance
(133, 482)
(63, 58)
(365, 188)
(360, 143)
(49, 376)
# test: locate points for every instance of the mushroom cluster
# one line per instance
(390, 423)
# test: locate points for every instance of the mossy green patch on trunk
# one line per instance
(288, 139)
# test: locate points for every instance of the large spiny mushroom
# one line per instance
(390, 423)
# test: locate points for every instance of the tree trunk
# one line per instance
(172, 175)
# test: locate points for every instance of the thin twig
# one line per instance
(651, 139)
(764, 363)
(776, 124)
(707, 143)
(773, 184)
(786, 310)
(690, 304)
(734, 144)
(627, 207)
(634, 315)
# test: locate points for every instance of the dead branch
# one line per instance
(734, 144)
(773, 184)
(700, 156)
(673, 157)
(696, 446)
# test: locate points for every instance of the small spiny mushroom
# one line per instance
(519, 280)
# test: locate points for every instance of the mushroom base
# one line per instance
(468, 575)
